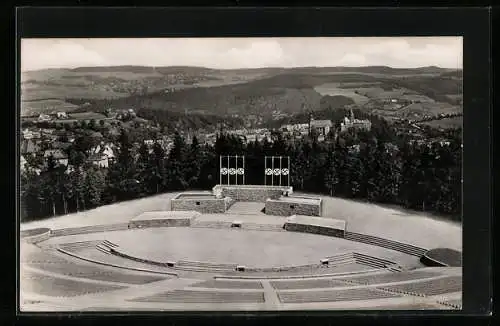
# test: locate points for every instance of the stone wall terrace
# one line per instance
(315, 225)
(163, 219)
(202, 204)
(253, 193)
(286, 206)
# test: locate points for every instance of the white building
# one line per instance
(321, 126)
(352, 122)
(100, 159)
(61, 115)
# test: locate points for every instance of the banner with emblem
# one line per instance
(232, 169)
(277, 170)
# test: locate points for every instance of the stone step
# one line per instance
(386, 242)
(389, 244)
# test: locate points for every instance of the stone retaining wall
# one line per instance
(250, 192)
(207, 205)
(315, 229)
(157, 223)
(35, 235)
(287, 208)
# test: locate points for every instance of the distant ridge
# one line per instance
(173, 69)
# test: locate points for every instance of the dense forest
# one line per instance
(376, 166)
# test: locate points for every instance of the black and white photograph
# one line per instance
(240, 174)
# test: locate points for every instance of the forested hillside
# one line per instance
(375, 166)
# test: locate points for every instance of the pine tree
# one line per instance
(143, 170)
(194, 160)
(94, 186)
(122, 171)
(49, 190)
(371, 166)
(279, 144)
(409, 178)
(176, 164)
(31, 187)
(158, 167)
(331, 173)
(341, 157)
(354, 175)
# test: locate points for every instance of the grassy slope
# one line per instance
(394, 223)
(454, 122)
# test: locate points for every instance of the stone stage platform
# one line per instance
(163, 219)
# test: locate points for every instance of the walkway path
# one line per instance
(254, 208)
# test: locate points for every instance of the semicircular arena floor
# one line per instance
(211, 266)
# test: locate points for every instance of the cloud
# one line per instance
(57, 54)
(243, 52)
(256, 54)
(352, 59)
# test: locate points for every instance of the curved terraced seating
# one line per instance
(308, 284)
(34, 255)
(385, 243)
(96, 273)
(50, 262)
(89, 229)
(347, 257)
(381, 278)
(80, 245)
(101, 254)
(188, 296)
(317, 271)
(60, 287)
(355, 257)
(346, 261)
(431, 287)
(117, 252)
(35, 235)
(204, 266)
(228, 284)
(333, 295)
(372, 261)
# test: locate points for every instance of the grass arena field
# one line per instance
(102, 264)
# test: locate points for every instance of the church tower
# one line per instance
(311, 119)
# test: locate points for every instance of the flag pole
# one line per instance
(265, 168)
(272, 169)
(289, 171)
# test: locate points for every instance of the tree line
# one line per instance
(360, 165)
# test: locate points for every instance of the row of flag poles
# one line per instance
(280, 166)
(229, 171)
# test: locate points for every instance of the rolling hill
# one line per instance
(266, 92)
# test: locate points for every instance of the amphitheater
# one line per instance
(239, 248)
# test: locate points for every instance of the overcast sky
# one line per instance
(230, 53)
